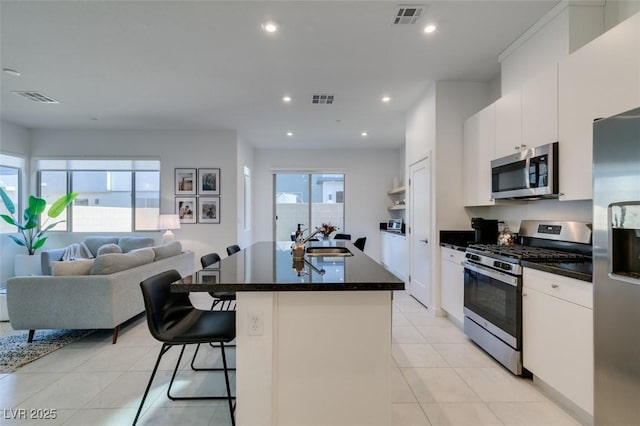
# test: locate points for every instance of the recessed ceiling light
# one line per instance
(270, 27)
(364, 134)
(429, 28)
(385, 99)
(289, 133)
(12, 72)
(286, 99)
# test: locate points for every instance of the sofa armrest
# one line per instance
(48, 256)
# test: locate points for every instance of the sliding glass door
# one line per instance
(309, 199)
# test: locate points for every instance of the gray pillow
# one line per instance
(72, 267)
(128, 244)
(116, 262)
(171, 249)
(109, 248)
(94, 243)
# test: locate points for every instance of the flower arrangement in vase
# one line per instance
(327, 229)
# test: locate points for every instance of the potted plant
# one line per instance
(31, 233)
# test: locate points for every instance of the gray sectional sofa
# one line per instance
(91, 294)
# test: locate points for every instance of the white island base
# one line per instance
(313, 358)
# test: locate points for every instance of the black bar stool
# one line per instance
(174, 321)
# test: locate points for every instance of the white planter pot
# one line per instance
(25, 265)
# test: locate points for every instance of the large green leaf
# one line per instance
(61, 203)
(36, 206)
(39, 243)
(9, 219)
(7, 201)
(49, 226)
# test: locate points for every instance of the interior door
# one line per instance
(419, 231)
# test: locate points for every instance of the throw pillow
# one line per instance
(171, 249)
(72, 267)
(115, 262)
(128, 244)
(94, 243)
(109, 248)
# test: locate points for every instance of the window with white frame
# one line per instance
(114, 195)
(11, 169)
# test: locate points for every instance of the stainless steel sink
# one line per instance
(328, 251)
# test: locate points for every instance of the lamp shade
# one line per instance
(168, 221)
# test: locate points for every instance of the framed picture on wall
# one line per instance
(185, 181)
(209, 210)
(186, 209)
(209, 181)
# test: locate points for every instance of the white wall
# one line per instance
(368, 176)
(14, 140)
(455, 102)
(245, 159)
(175, 149)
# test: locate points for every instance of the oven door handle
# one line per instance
(496, 275)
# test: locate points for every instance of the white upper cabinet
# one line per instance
(597, 81)
(540, 109)
(478, 151)
(508, 124)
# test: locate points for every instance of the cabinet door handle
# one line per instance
(554, 285)
(524, 294)
(425, 241)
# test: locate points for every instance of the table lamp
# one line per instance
(168, 222)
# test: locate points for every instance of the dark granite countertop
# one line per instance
(394, 232)
(453, 246)
(269, 266)
(579, 270)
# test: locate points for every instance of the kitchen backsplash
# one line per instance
(514, 212)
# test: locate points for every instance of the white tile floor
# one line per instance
(438, 378)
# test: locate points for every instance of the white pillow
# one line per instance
(108, 248)
(116, 262)
(171, 249)
(72, 267)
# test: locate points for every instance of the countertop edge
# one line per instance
(558, 271)
(178, 287)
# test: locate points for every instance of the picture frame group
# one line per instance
(197, 195)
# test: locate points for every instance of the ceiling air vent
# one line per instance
(322, 99)
(408, 15)
(37, 97)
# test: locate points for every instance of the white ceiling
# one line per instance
(209, 64)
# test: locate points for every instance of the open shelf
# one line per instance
(397, 207)
(398, 190)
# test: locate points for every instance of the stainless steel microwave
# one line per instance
(529, 174)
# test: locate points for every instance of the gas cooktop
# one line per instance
(528, 253)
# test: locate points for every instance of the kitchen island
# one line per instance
(313, 335)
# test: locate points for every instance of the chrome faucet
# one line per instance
(304, 241)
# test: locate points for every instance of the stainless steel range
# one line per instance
(493, 282)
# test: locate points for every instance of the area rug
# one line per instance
(15, 351)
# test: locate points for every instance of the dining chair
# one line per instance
(360, 243)
(173, 320)
(232, 249)
(219, 297)
(342, 237)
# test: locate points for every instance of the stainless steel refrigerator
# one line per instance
(616, 278)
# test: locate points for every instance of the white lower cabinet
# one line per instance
(394, 256)
(557, 328)
(452, 282)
